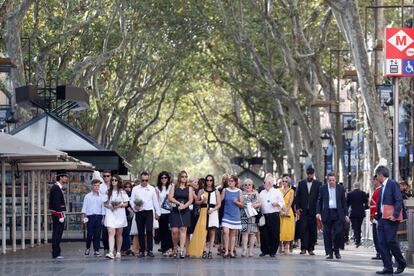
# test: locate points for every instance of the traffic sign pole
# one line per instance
(396, 129)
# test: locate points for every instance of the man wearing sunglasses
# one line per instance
(103, 188)
(307, 195)
(146, 196)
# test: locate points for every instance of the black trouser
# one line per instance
(387, 240)
(332, 232)
(56, 236)
(126, 237)
(375, 237)
(145, 222)
(356, 228)
(270, 234)
(165, 233)
(94, 225)
(308, 232)
(105, 237)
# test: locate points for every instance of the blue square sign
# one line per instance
(408, 67)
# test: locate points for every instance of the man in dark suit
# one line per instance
(357, 200)
(57, 207)
(389, 194)
(332, 210)
(307, 194)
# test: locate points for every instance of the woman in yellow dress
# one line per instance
(208, 220)
(287, 219)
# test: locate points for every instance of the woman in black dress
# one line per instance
(180, 219)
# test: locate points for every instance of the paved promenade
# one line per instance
(37, 261)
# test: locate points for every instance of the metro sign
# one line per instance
(399, 52)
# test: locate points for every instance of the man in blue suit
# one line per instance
(389, 194)
(332, 210)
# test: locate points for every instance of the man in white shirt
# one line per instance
(144, 202)
(272, 202)
(333, 212)
(103, 188)
(93, 212)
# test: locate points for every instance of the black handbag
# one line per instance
(166, 204)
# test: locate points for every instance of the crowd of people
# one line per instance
(189, 217)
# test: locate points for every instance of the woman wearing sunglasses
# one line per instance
(163, 188)
(248, 218)
(181, 195)
(115, 200)
(287, 219)
(208, 221)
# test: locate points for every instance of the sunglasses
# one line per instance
(209, 180)
(144, 180)
(248, 185)
(114, 180)
(284, 181)
(164, 177)
(107, 175)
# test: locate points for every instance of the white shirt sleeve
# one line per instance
(85, 204)
(132, 199)
(156, 203)
(280, 199)
(125, 197)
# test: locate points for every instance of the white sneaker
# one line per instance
(118, 255)
(60, 257)
(109, 255)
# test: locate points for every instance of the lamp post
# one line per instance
(349, 135)
(326, 139)
(302, 159)
(390, 110)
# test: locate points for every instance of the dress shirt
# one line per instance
(309, 186)
(60, 185)
(332, 197)
(149, 197)
(93, 204)
(268, 198)
(103, 188)
(382, 193)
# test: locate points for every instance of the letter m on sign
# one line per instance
(401, 40)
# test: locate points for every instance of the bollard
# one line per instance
(409, 254)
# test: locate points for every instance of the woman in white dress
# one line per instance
(115, 200)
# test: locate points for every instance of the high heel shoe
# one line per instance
(204, 256)
(209, 255)
(182, 256)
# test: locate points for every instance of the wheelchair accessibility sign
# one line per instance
(408, 67)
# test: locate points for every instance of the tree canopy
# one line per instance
(190, 84)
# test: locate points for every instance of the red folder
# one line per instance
(319, 224)
(388, 210)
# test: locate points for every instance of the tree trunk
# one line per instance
(347, 16)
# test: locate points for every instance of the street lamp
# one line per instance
(390, 110)
(349, 135)
(302, 159)
(326, 139)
